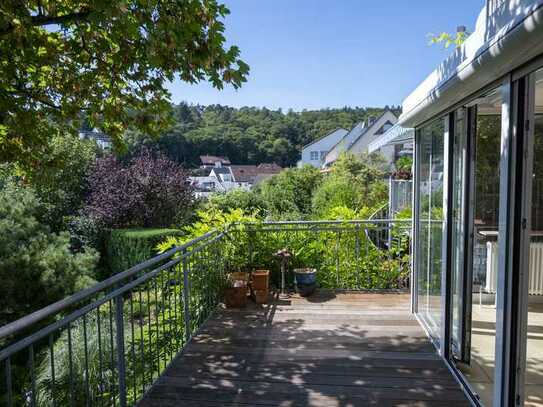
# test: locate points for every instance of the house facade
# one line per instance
(315, 152)
(226, 178)
(102, 139)
(477, 283)
(358, 139)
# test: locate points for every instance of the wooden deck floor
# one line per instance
(333, 349)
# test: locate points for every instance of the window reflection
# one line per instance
(480, 273)
(430, 225)
(534, 349)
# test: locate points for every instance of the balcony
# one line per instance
(158, 334)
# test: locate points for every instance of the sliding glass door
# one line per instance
(430, 225)
(530, 268)
(475, 245)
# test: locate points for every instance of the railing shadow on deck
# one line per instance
(260, 356)
(109, 343)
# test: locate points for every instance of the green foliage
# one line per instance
(447, 39)
(127, 247)
(354, 183)
(288, 194)
(233, 223)
(110, 59)
(247, 135)
(59, 178)
(36, 266)
(247, 201)
(404, 163)
(70, 380)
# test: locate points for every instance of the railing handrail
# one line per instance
(179, 295)
(56, 307)
(328, 222)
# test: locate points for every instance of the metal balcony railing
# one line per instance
(106, 345)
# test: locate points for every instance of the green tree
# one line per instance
(36, 266)
(59, 178)
(247, 135)
(288, 194)
(354, 183)
(109, 59)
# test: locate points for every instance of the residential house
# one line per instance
(102, 139)
(225, 178)
(210, 161)
(314, 152)
(358, 139)
(246, 175)
(477, 280)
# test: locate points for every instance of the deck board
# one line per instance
(333, 349)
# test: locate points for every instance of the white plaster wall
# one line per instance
(324, 144)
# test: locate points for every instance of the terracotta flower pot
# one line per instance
(260, 280)
(260, 296)
(235, 297)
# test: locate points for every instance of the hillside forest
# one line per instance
(246, 135)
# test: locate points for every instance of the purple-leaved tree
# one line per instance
(149, 191)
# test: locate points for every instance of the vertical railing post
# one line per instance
(121, 367)
(337, 259)
(250, 249)
(357, 254)
(186, 298)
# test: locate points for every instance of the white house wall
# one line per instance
(322, 145)
(361, 145)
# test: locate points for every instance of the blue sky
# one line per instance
(310, 54)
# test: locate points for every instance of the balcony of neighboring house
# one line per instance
(159, 334)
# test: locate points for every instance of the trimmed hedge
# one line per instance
(127, 247)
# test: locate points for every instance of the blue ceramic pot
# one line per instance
(305, 276)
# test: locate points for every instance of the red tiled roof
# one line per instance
(248, 173)
(212, 159)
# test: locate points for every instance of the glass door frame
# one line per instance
(516, 158)
(460, 352)
(518, 294)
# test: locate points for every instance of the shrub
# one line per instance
(247, 201)
(288, 194)
(127, 247)
(235, 253)
(149, 191)
(354, 182)
(36, 266)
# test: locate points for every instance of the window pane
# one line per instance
(534, 349)
(482, 258)
(430, 225)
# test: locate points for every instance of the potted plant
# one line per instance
(235, 293)
(306, 281)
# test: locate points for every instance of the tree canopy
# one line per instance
(247, 135)
(105, 60)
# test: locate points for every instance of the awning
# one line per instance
(395, 135)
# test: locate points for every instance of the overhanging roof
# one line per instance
(395, 135)
(507, 35)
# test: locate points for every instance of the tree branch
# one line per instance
(41, 20)
(46, 20)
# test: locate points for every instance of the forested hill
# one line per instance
(247, 135)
